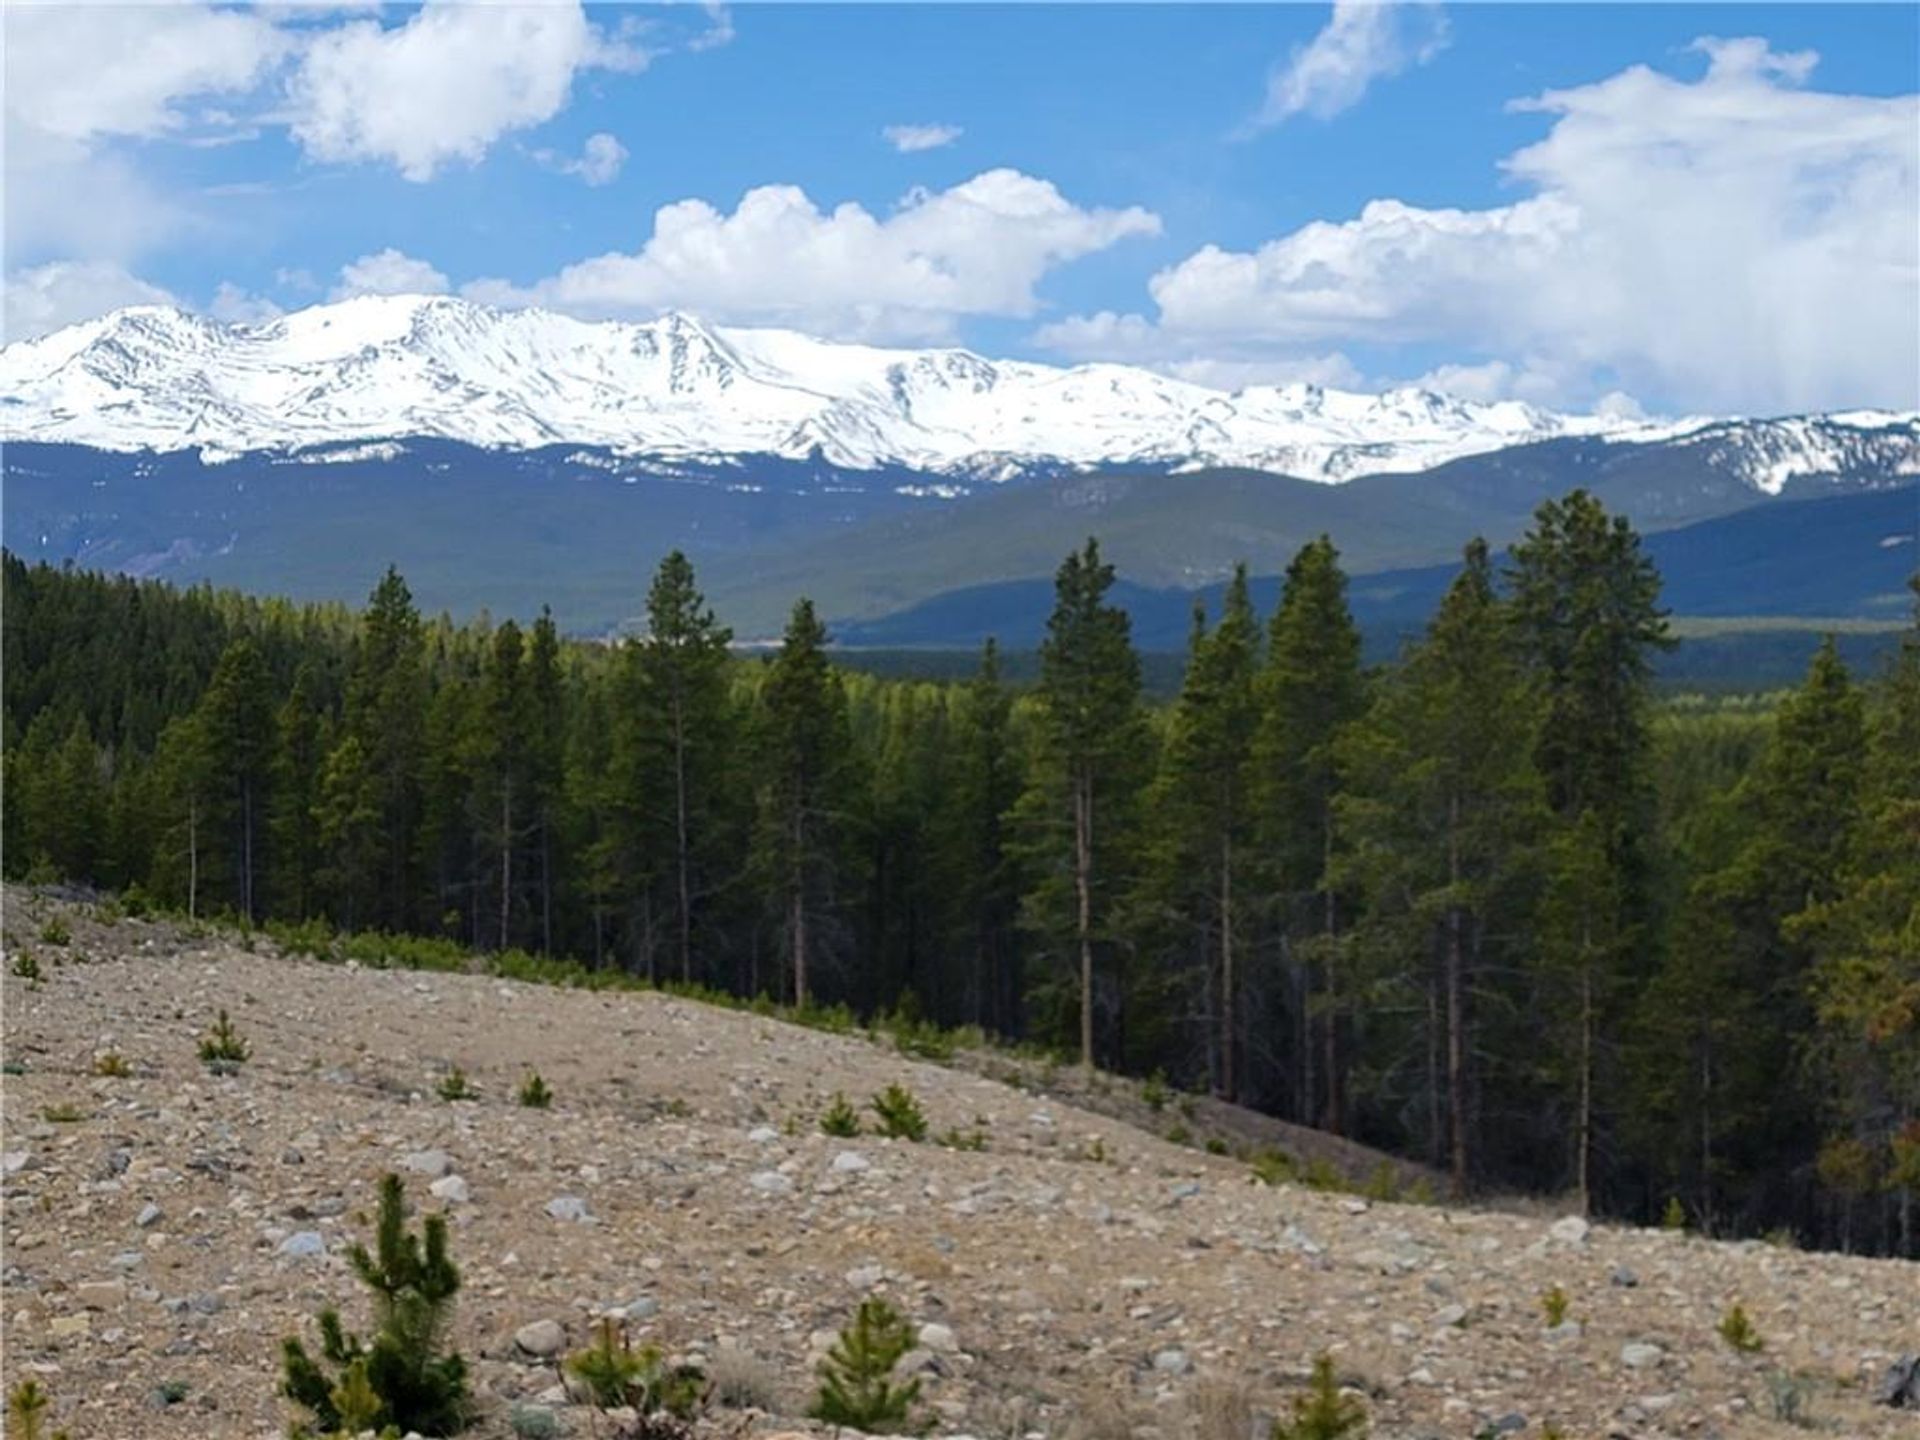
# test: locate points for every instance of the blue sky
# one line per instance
(1361, 195)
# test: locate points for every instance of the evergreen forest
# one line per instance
(1496, 906)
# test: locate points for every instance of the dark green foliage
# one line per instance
(856, 1379)
(1489, 906)
(404, 1377)
(616, 1374)
(26, 966)
(534, 1094)
(221, 1048)
(1736, 1328)
(901, 1117)
(27, 1406)
(1323, 1413)
(454, 1085)
(840, 1118)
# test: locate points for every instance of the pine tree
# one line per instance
(804, 753)
(982, 880)
(1309, 693)
(236, 728)
(684, 721)
(1203, 810)
(1090, 743)
(386, 713)
(299, 752)
(1442, 816)
(856, 1379)
(419, 1384)
(1586, 612)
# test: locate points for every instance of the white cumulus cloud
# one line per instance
(1732, 242)
(598, 163)
(47, 297)
(1363, 41)
(909, 138)
(978, 248)
(388, 272)
(445, 85)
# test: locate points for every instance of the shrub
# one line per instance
(742, 1380)
(170, 1392)
(616, 1374)
(856, 1379)
(1153, 1090)
(840, 1118)
(63, 1114)
(454, 1086)
(958, 1139)
(401, 1378)
(111, 1065)
(1554, 1305)
(1274, 1167)
(533, 1422)
(534, 1093)
(1787, 1395)
(1674, 1217)
(900, 1114)
(27, 1405)
(26, 967)
(1736, 1328)
(221, 1049)
(1323, 1413)
(1179, 1134)
(55, 932)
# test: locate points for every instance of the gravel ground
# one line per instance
(1079, 1277)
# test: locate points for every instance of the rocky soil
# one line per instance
(1080, 1276)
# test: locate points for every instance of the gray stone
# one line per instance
(1451, 1315)
(1623, 1277)
(1641, 1355)
(1570, 1230)
(1900, 1386)
(938, 1338)
(542, 1339)
(434, 1163)
(303, 1245)
(850, 1162)
(452, 1189)
(1172, 1362)
(569, 1207)
(771, 1182)
(763, 1134)
(150, 1214)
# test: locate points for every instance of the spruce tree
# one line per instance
(1309, 693)
(981, 878)
(804, 756)
(1090, 744)
(1442, 816)
(387, 697)
(1203, 811)
(235, 722)
(299, 752)
(686, 739)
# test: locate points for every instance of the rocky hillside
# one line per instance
(1079, 1276)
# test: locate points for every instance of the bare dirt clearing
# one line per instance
(165, 1228)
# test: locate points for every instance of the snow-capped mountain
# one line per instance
(381, 368)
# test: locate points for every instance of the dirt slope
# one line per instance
(1079, 1277)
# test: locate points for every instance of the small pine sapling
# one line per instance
(901, 1117)
(414, 1383)
(1323, 1413)
(55, 933)
(534, 1094)
(27, 1405)
(856, 1379)
(455, 1086)
(26, 967)
(111, 1065)
(840, 1118)
(1674, 1217)
(616, 1374)
(1554, 1305)
(221, 1049)
(1736, 1328)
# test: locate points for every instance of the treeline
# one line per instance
(1485, 906)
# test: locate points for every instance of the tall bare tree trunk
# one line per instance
(1456, 1013)
(797, 914)
(1335, 1119)
(246, 848)
(506, 862)
(1083, 888)
(680, 835)
(193, 858)
(1583, 1133)
(1227, 979)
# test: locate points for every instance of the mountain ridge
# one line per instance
(377, 369)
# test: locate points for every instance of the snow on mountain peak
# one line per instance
(381, 367)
